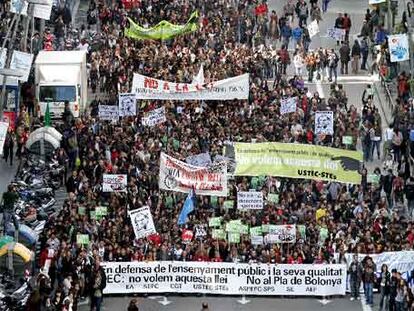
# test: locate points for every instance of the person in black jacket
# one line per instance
(98, 283)
(355, 273)
(355, 55)
(384, 282)
(393, 289)
(8, 146)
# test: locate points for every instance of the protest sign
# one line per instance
(281, 234)
(154, 117)
(228, 204)
(398, 46)
(297, 161)
(288, 105)
(233, 225)
(202, 159)
(227, 89)
(81, 210)
(244, 229)
(219, 234)
(373, 178)
(179, 176)
(256, 239)
(200, 231)
(324, 122)
(347, 140)
(273, 198)
(23, 62)
(3, 133)
(214, 222)
(187, 235)
(376, 1)
(114, 183)
(106, 112)
(127, 104)
(335, 33)
(233, 237)
(302, 231)
(101, 211)
(142, 222)
(224, 278)
(256, 230)
(42, 11)
(313, 28)
(249, 200)
(82, 239)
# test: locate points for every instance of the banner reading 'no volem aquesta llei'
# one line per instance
(298, 161)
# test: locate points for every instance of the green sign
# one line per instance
(213, 201)
(256, 231)
(234, 237)
(233, 226)
(373, 178)
(302, 231)
(81, 210)
(265, 228)
(347, 140)
(219, 234)
(82, 239)
(93, 215)
(244, 229)
(101, 211)
(323, 234)
(273, 197)
(214, 222)
(228, 204)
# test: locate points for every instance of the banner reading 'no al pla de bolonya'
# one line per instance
(228, 89)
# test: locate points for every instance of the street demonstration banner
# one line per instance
(280, 234)
(179, 176)
(163, 30)
(402, 261)
(106, 112)
(224, 278)
(201, 159)
(297, 161)
(154, 117)
(249, 200)
(335, 33)
(142, 222)
(114, 183)
(399, 49)
(127, 104)
(227, 89)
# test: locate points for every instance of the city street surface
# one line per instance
(354, 86)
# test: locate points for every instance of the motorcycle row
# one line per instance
(35, 184)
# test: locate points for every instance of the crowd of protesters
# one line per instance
(235, 37)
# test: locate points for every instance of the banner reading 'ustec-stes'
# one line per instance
(298, 161)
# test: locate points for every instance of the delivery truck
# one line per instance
(61, 76)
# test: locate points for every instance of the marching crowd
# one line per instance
(235, 37)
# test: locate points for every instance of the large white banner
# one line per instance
(324, 122)
(399, 49)
(3, 132)
(227, 89)
(288, 105)
(224, 278)
(22, 61)
(281, 234)
(402, 261)
(249, 200)
(39, 10)
(376, 1)
(154, 117)
(114, 183)
(142, 222)
(127, 104)
(179, 176)
(107, 112)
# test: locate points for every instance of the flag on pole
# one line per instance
(47, 116)
(188, 207)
